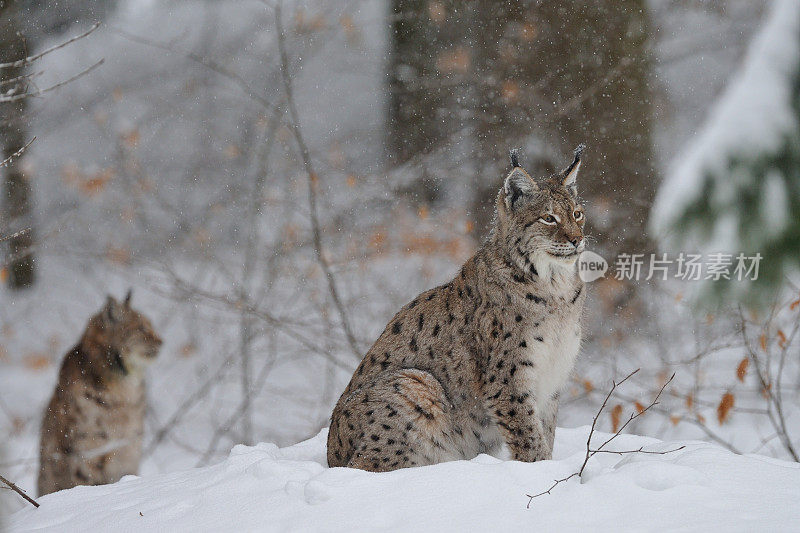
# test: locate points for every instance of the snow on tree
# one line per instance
(736, 186)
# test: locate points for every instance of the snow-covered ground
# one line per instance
(265, 488)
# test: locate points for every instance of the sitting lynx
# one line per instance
(92, 429)
(479, 361)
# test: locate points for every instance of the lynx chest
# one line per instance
(553, 339)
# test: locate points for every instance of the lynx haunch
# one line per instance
(477, 363)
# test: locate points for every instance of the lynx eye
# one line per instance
(578, 215)
(548, 219)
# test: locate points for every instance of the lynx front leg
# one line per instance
(525, 435)
(510, 401)
(550, 423)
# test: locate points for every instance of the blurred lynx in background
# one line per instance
(93, 426)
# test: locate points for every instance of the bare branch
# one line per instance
(205, 62)
(635, 415)
(775, 412)
(40, 92)
(702, 426)
(10, 159)
(592, 452)
(640, 449)
(21, 78)
(13, 235)
(31, 59)
(19, 491)
(614, 385)
(272, 320)
(184, 408)
(313, 179)
(556, 482)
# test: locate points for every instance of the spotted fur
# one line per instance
(478, 362)
(92, 428)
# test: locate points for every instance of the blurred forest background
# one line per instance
(276, 181)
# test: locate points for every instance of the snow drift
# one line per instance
(266, 488)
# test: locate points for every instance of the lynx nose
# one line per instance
(576, 241)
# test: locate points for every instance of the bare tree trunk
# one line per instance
(543, 75)
(428, 73)
(17, 201)
(600, 48)
(568, 73)
(413, 101)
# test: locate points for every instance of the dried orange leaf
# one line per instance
(437, 12)
(588, 386)
(305, 24)
(762, 340)
(724, 407)
(232, 151)
(3, 274)
(377, 240)
(674, 419)
(118, 255)
(188, 349)
(616, 413)
(689, 401)
(781, 339)
(456, 60)
(17, 425)
(795, 304)
(36, 361)
(351, 31)
(528, 32)
(701, 418)
(639, 407)
(130, 138)
(741, 370)
(510, 91)
(95, 183)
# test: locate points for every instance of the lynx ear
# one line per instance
(518, 183)
(517, 187)
(570, 174)
(111, 312)
(127, 301)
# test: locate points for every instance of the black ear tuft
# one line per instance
(514, 155)
(127, 301)
(576, 160)
(111, 310)
(570, 174)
